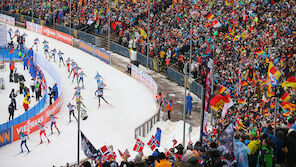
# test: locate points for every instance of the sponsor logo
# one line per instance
(5, 137)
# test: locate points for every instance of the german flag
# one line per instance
(285, 97)
(218, 101)
(244, 83)
(290, 82)
(241, 101)
(286, 105)
(210, 16)
(222, 89)
(259, 51)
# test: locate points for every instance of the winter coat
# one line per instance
(163, 163)
(266, 156)
(254, 146)
(26, 103)
(55, 89)
(11, 108)
(192, 162)
(241, 152)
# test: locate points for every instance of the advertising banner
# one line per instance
(86, 47)
(7, 19)
(34, 27)
(64, 37)
(102, 54)
(27, 126)
(49, 32)
(5, 137)
(145, 79)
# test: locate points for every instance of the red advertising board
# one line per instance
(31, 124)
(27, 126)
(49, 32)
(64, 37)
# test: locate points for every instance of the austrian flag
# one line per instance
(153, 143)
(139, 146)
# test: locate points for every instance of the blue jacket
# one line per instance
(189, 101)
(55, 89)
(241, 153)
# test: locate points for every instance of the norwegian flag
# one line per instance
(139, 146)
(120, 153)
(175, 141)
(105, 153)
(126, 152)
(114, 155)
(153, 142)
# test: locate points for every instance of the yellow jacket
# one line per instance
(163, 163)
(254, 146)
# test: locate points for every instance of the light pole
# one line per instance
(32, 8)
(78, 133)
(185, 83)
(148, 28)
(70, 13)
(109, 25)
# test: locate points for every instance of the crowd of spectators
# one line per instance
(247, 37)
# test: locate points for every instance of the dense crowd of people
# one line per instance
(242, 37)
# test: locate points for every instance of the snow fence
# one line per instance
(28, 122)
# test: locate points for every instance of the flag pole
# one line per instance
(70, 13)
(212, 86)
(275, 112)
(78, 134)
(202, 114)
(184, 118)
(109, 25)
(148, 29)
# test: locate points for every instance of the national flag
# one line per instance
(143, 33)
(287, 105)
(241, 101)
(245, 16)
(259, 52)
(226, 107)
(244, 83)
(218, 101)
(285, 97)
(89, 150)
(290, 82)
(270, 93)
(105, 153)
(174, 142)
(126, 152)
(222, 89)
(272, 71)
(226, 140)
(215, 23)
(153, 143)
(120, 153)
(210, 16)
(139, 146)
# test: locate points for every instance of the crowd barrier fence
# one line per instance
(28, 122)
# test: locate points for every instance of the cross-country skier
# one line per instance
(75, 73)
(24, 138)
(46, 48)
(16, 33)
(99, 94)
(10, 33)
(61, 58)
(101, 85)
(81, 75)
(78, 98)
(42, 131)
(71, 111)
(98, 77)
(36, 42)
(53, 122)
(77, 89)
(53, 53)
(68, 62)
(73, 65)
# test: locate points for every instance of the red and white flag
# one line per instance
(245, 16)
(105, 153)
(139, 146)
(120, 153)
(153, 142)
(175, 141)
(215, 23)
(126, 152)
